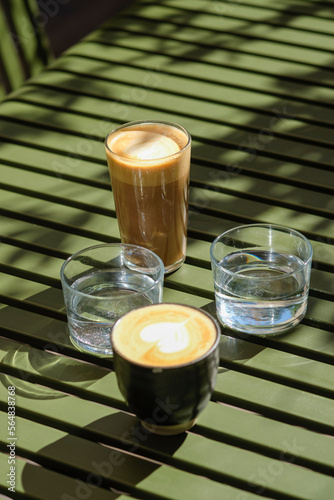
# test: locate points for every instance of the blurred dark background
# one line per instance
(67, 21)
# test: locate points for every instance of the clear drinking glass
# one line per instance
(149, 164)
(261, 278)
(103, 282)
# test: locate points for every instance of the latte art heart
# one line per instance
(164, 335)
(167, 337)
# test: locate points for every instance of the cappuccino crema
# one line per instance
(164, 335)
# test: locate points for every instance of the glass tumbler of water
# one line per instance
(261, 278)
(103, 282)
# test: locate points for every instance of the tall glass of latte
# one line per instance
(166, 359)
(149, 164)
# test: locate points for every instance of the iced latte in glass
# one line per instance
(149, 164)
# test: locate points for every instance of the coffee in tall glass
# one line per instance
(149, 164)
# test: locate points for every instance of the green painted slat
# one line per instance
(81, 171)
(24, 262)
(57, 165)
(241, 13)
(77, 148)
(311, 341)
(31, 36)
(321, 310)
(108, 226)
(297, 179)
(321, 281)
(58, 190)
(257, 142)
(236, 158)
(90, 129)
(292, 442)
(208, 39)
(241, 427)
(27, 288)
(238, 426)
(313, 375)
(266, 77)
(232, 387)
(269, 117)
(38, 483)
(272, 397)
(8, 56)
(222, 83)
(38, 329)
(128, 472)
(309, 7)
(228, 204)
(69, 218)
(91, 198)
(24, 48)
(205, 104)
(220, 457)
(264, 190)
(47, 241)
(278, 170)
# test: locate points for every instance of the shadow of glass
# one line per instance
(95, 464)
(33, 363)
(49, 363)
(232, 348)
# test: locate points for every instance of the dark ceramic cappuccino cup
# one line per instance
(166, 359)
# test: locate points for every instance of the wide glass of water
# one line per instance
(103, 282)
(261, 278)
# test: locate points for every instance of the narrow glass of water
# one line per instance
(261, 278)
(102, 283)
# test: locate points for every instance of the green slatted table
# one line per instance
(253, 82)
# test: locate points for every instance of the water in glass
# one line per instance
(261, 292)
(91, 325)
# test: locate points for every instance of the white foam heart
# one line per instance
(169, 337)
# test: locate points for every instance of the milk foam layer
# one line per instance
(168, 337)
(143, 145)
(148, 154)
(164, 335)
